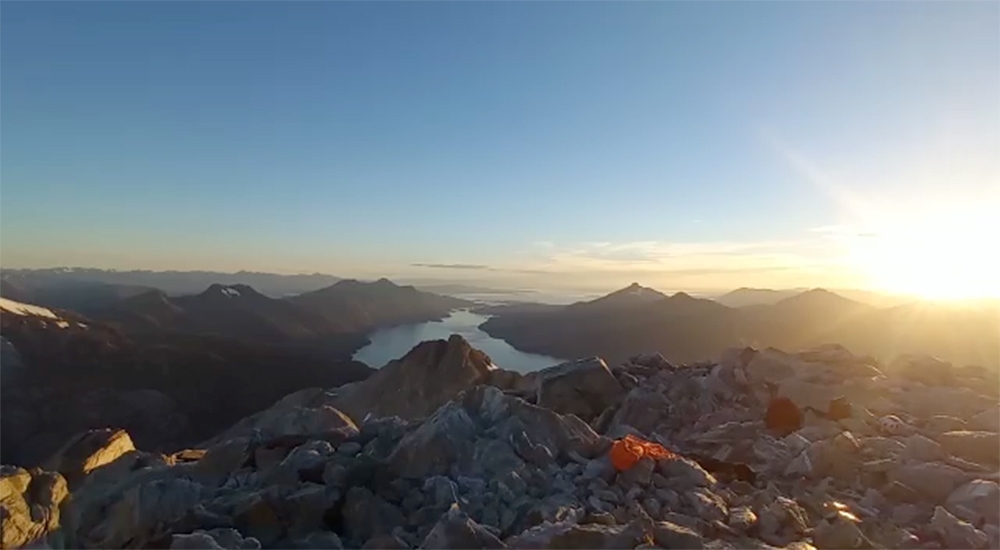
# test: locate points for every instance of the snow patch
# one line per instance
(229, 291)
(17, 308)
(62, 324)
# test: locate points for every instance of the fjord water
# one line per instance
(393, 343)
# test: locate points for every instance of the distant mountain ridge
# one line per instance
(684, 328)
(170, 282)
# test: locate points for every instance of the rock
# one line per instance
(934, 480)
(742, 519)
(599, 468)
(366, 515)
(87, 451)
(452, 438)
(349, 448)
(980, 447)
(939, 424)
(585, 388)
(783, 416)
(900, 492)
(638, 475)
(988, 420)
(318, 540)
(138, 512)
(215, 539)
(642, 410)
(839, 533)
(707, 505)
(569, 535)
(783, 515)
(922, 449)
(956, 533)
(386, 542)
(671, 535)
(416, 385)
(30, 506)
(682, 473)
(976, 502)
(456, 530)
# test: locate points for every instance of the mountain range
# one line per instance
(177, 368)
(684, 328)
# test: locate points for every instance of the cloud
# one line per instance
(452, 266)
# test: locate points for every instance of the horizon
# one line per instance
(691, 147)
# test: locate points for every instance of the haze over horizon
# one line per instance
(582, 146)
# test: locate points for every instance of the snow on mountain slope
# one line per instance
(18, 308)
(9, 306)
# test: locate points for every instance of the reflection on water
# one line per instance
(393, 343)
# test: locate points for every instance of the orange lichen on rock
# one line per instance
(627, 451)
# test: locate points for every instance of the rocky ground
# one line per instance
(438, 450)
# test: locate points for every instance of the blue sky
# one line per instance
(682, 144)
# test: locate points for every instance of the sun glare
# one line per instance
(942, 257)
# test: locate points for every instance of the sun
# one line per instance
(935, 255)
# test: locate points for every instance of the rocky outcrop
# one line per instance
(499, 463)
(584, 388)
(415, 385)
(31, 506)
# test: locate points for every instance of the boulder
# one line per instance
(87, 451)
(641, 410)
(570, 535)
(366, 515)
(671, 535)
(585, 388)
(472, 434)
(933, 480)
(215, 539)
(956, 533)
(980, 447)
(416, 385)
(457, 531)
(977, 501)
(31, 507)
(988, 420)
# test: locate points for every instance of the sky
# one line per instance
(588, 145)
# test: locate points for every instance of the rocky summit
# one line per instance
(440, 449)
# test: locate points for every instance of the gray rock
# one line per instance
(316, 540)
(671, 535)
(216, 539)
(416, 385)
(742, 519)
(638, 475)
(366, 515)
(839, 533)
(939, 424)
(976, 502)
(442, 490)
(584, 388)
(385, 542)
(922, 449)
(456, 530)
(682, 474)
(569, 535)
(349, 448)
(707, 505)
(653, 507)
(987, 421)
(599, 468)
(981, 447)
(956, 533)
(934, 480)
(138, 512)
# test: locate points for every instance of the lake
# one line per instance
(393, 343)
